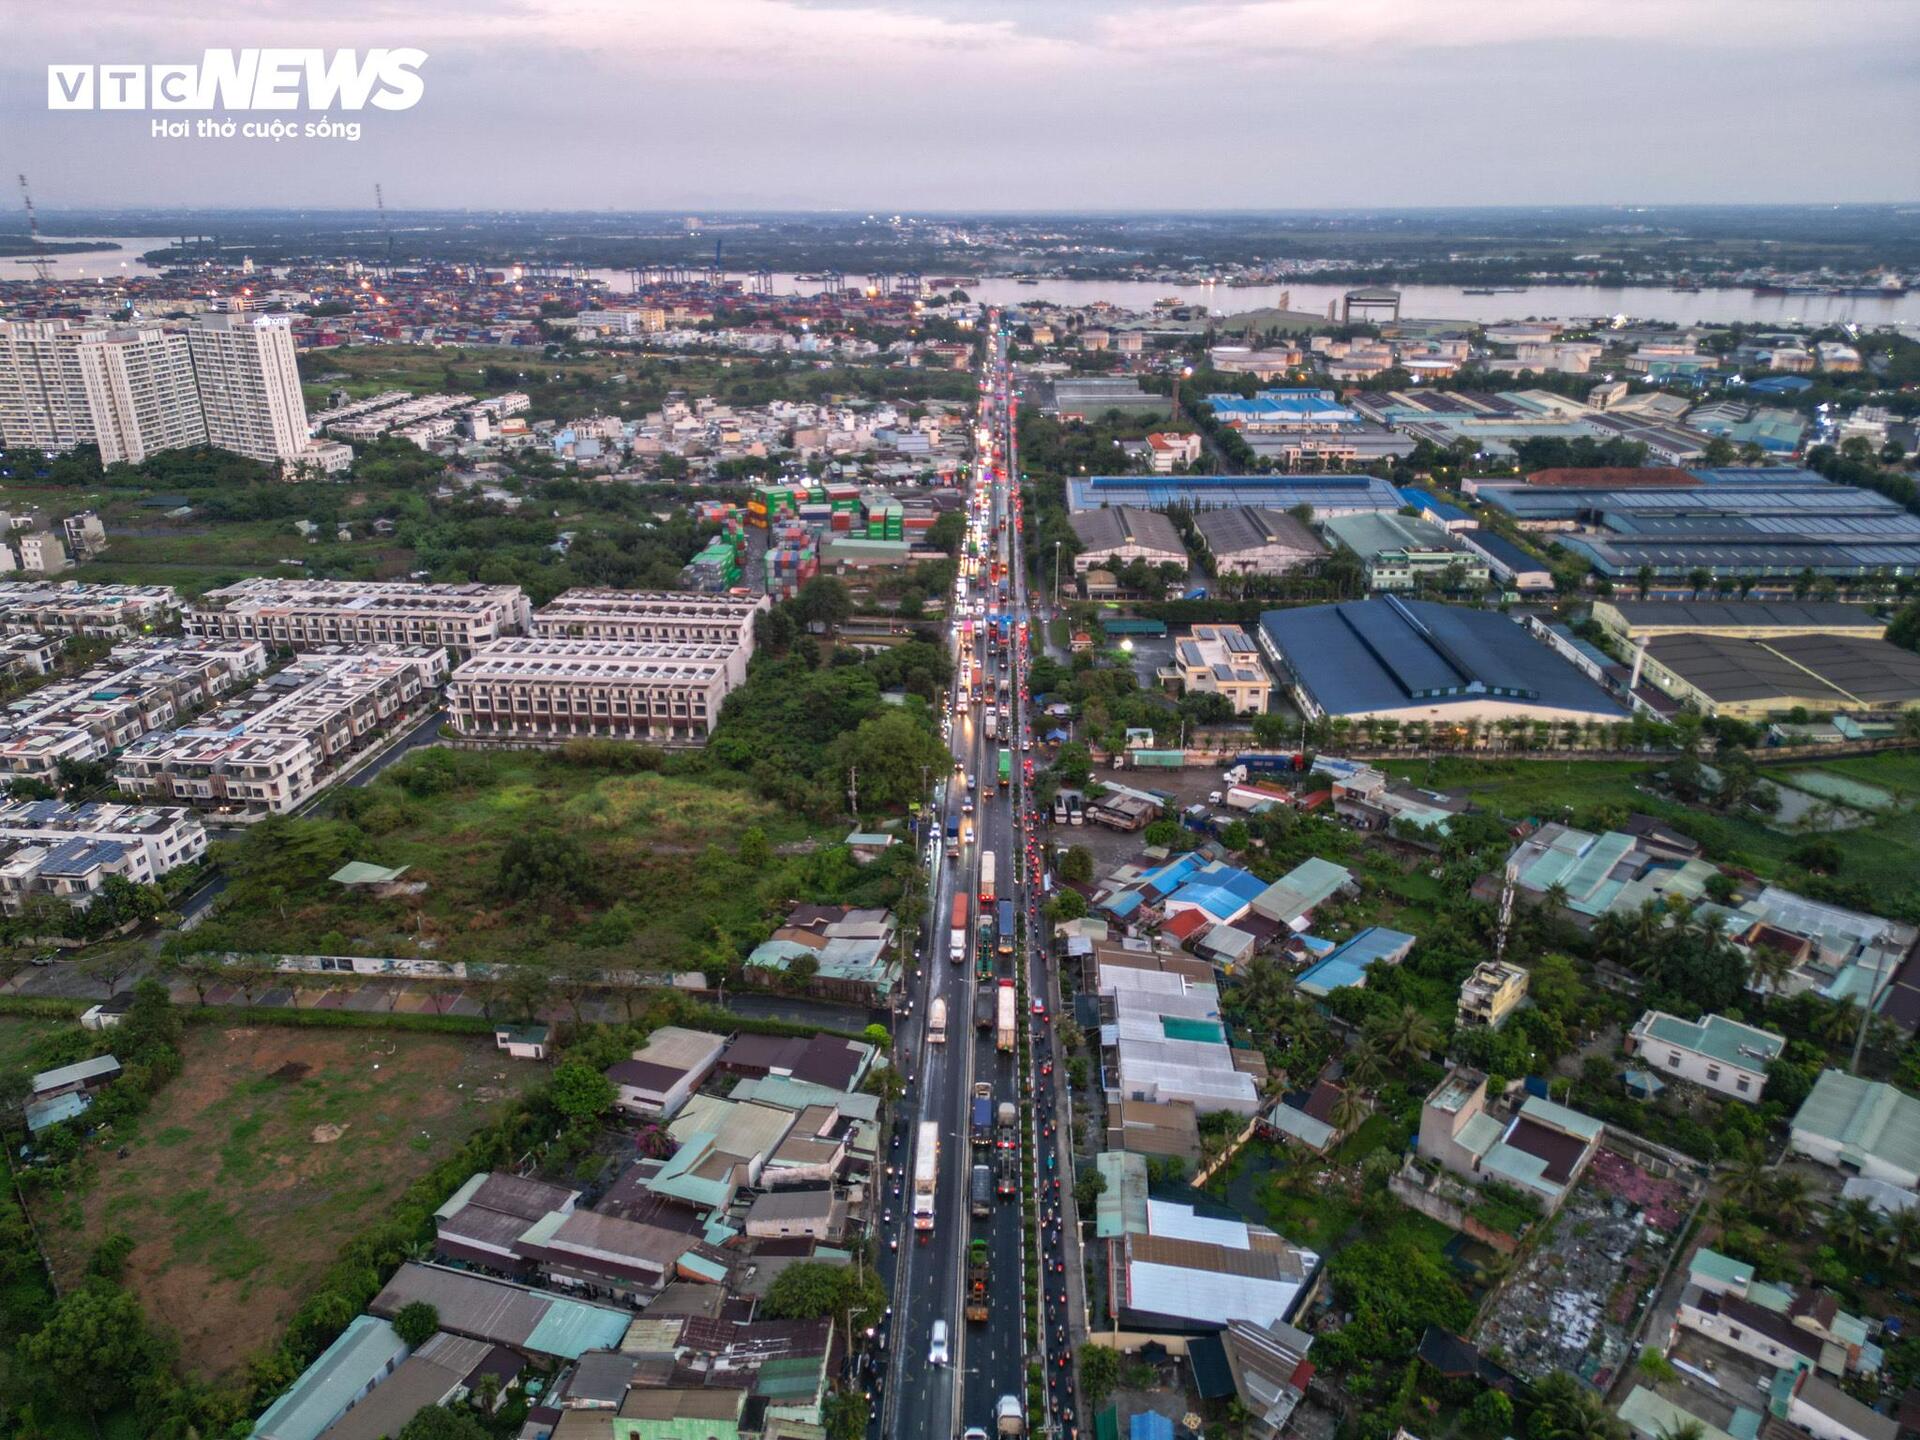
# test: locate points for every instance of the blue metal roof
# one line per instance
(1443, 510)
(1204, 492)
(1393, 654)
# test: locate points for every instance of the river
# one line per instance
(1420, 302)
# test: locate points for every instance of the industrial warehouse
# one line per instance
(1416, 660)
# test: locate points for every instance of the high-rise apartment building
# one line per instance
(225, 380)
(249, 385)
(141, 394)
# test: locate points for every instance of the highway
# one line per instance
(928, 1271)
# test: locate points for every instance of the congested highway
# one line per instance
(959, 1208)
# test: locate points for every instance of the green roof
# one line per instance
(1121, 1209)
(1180, 1027)
(359, 872)
(1723, 1268)
(364, 1352)
(1652, 1418)
(1561, 1118)
(1866, 1119)
(1718, 1038)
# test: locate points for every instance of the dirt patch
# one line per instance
(270, 1151)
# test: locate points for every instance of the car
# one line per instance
(973, 1432)
(1039, 1008)
(937, 1351)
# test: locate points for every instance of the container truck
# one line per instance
(982, 1119)
(1266, 764)
(1006, 1016)
(978, 1268)
(957, 940)
(926, 1176)
(986, 877)
(1003, 931)
(983, 1009)
(980, 1191)
(1006, 768)
(937, 1022)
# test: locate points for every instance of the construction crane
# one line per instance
(386, 226)
(42, 266)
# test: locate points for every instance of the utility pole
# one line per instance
(853, 791)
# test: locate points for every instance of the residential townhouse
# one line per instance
(307, 614)
(272, 749)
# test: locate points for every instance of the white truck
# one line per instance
(937, 1022)
(992, 727)
(926, 1176)
(1006, 1017)
(957, 936)
(1008, 1416)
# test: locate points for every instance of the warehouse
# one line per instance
(1324, 495)
(1124, 534)
(1752, 679)
(1510, 565)
(1761, 523)
(1394, 659)
(1250, 541)
(1637, 620)
(1399, 551)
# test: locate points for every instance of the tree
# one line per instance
(1565, 1409)
(809, 1291)
(545, 865)
(580, 1092)
(1099, 1373)
(1408, 1033)
(1490, 1417)
(438, 1423)
(846, 1415)
(1067, 905)
(416, 1323)
(754, 852)
(95, 1347)
(1077, 865)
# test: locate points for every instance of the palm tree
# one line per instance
(1835, 1022)
(1854, 1226)
(1612, 936)
(1682, 1430)
(1410, 1033)
(1902, 1238)
(1749, 1181)
(1365, 1065)
(1789, 1202)
(1768, 969)
(1350, 1109)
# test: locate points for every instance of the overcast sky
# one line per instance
(1011, 104)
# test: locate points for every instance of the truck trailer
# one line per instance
(1006, 1016)
(926, 1176)
(957, 941)
(979, 1269)
(987, 878)
(980, 1193)
(937, 1022)
(982, 1114)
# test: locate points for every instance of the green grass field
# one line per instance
(660, 852)
(268, 1152)
(1883, 853)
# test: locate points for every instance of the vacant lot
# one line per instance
(1883, 853)
(266, 1155)
(640, 868)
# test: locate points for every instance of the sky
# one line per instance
(1012, 104)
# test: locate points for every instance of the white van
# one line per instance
(937, 1352)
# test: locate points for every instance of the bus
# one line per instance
(1003, 932)
(986, 877)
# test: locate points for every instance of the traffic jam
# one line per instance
(1006, 639)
